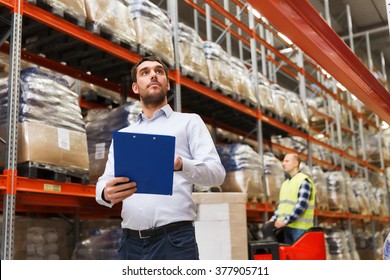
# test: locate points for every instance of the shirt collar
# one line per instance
(165, 110)
(288, 177)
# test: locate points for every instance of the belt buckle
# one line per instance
(140, 235)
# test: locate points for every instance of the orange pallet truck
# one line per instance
(310, 246)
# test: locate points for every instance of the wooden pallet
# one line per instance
(106, 33)
(194, 77)
(60, 12)
(225, 92)
(45, 171)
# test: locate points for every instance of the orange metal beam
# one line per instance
(54, 187)
(299, 21)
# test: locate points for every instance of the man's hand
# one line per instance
(118, 189)
(280, 224)
(178, 165)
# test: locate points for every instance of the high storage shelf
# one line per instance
(63, 41)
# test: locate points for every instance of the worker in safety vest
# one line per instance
(295, 211)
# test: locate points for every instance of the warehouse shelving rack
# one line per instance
(25, 194)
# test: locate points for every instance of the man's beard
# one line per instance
(153, 100)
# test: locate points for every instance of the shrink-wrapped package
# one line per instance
(242, 83)
(111, 17)
(191, 54)
(274, 176)
(338, 245)
(244, 170)
(319, 179)
(352, 202)
(100, 123)
(74, 8)
(295, 143)
(220, 69)
(153, 29)
(360, 190)
(371, 143)
(318, 102)
(280, 103)
(336, 191)
(265, 95)
(322, 153)
(296, 109)
(102, 244)
(386, 144)
(48, 105)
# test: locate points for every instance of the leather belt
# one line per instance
(157, 230)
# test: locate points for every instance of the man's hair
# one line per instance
(147, 58)
(295, 156)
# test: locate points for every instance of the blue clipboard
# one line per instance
(146, 159)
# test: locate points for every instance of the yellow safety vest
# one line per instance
(288, 198)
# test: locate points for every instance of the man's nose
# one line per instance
(153, 75)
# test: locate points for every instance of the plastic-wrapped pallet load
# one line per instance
(265, 95)
(75, 8)
(100, 123)
(317, 101)
(371, 142)
(358, 186)
(386, 144)
(274, 176)
(352, 202)
(153, 29)
(244, 170)
(49, 106)
(192, 57)
(220, 70)
(381, 201)
(111, 17)
(321, 153)
(295, 143)
(102, 244)
(40, 238)
(297, 111)
(339, 248)
(280, 103)
(242, 83)
(336, 191)
(319, 180)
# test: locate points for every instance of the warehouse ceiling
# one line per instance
(368, 17)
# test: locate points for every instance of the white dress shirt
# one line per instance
(201, 166)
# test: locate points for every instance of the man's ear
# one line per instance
(169, 85)
(134, 87)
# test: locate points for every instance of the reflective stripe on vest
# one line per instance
(288, 198)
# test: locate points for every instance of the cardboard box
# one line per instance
(47, 144)
(41, 238)
(221, 226)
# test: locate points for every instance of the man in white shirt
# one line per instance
(160, 226)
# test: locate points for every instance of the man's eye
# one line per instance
(159, 71)
(144, 73)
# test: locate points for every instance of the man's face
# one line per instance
(289, 163)
(152, 84)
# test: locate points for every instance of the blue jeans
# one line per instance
(292, 234)
(176, 245)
